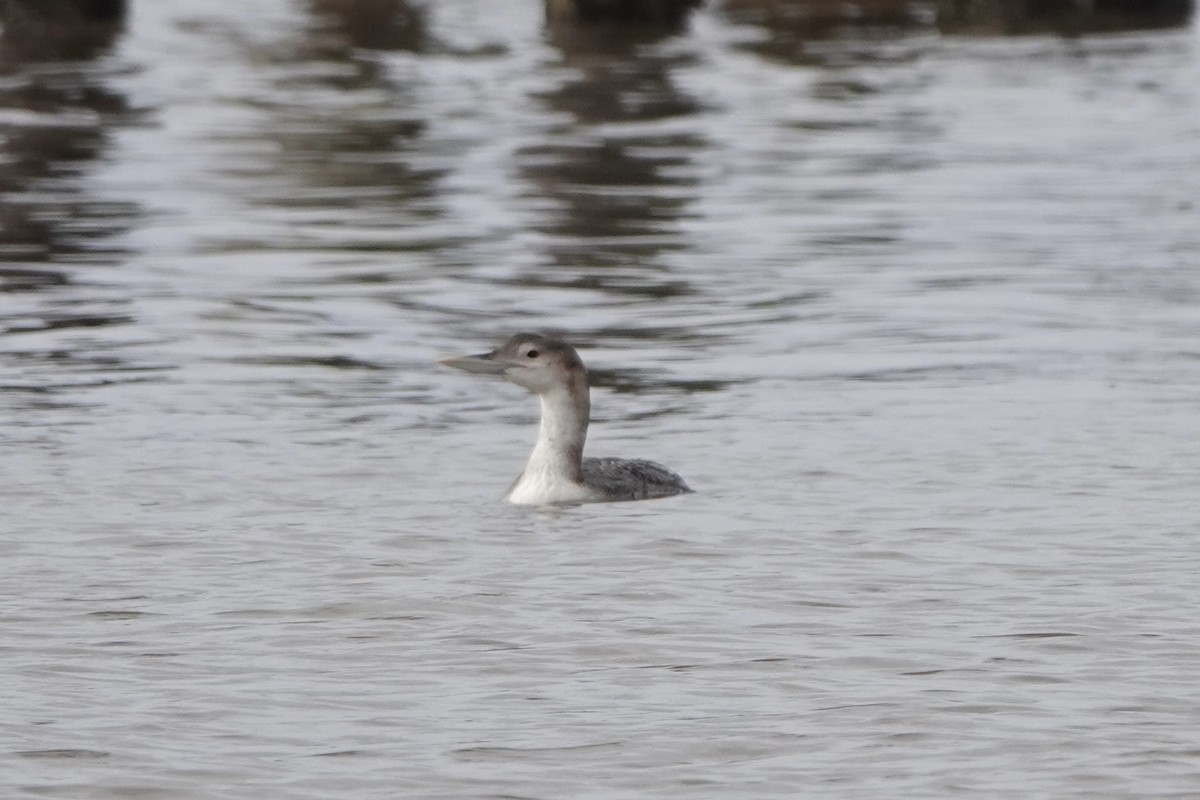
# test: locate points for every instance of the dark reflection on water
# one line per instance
(668, 14)
(373, 24)
(1067, 17)
(59, 30)
(797, 27)
(59, 106)
(620, 174)
(60, 109)
(635, 381)
(340, 132)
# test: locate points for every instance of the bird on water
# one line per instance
(557, 472)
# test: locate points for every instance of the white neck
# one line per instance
(553, 473)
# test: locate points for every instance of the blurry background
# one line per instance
(909, 291)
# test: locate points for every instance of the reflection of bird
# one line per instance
(557, 472)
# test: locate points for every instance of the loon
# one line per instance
(557, 472)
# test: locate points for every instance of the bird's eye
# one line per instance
(532, 354)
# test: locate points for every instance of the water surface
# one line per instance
(916, 312)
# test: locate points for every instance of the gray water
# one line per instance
(916, 313)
